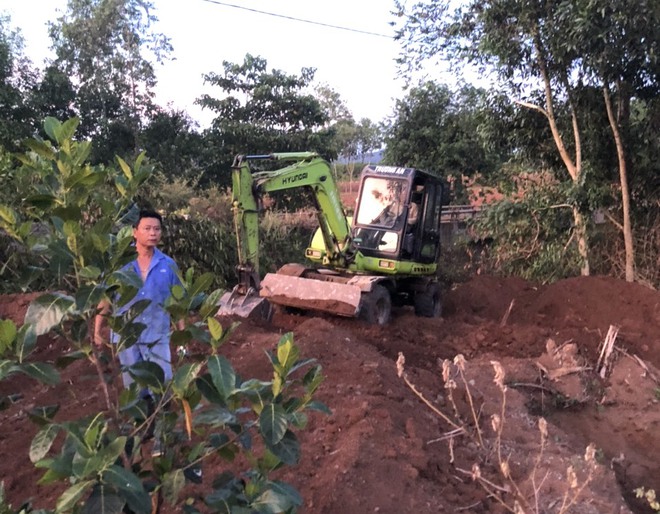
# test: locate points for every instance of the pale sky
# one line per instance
(358, 66)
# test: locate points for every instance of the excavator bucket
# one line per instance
(311, 294)
(249, 305)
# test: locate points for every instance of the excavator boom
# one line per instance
(304, 169)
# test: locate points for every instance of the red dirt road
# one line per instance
(383, 450)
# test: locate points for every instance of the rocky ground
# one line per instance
(387, 448)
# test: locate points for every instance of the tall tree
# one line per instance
(54, 95)
(619, 45)
(435, 128)
(263, 111)
(369, 136)
(548, 51)
(519, 40)
(173, 145)
(105, 47)
(17, 78)
(355, 141)
(333, 104)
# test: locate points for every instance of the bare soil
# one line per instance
(383, 450)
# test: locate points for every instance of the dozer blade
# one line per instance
(310, 294)
(244, 305)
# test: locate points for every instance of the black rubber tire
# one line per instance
(428, 303)
(376, 308)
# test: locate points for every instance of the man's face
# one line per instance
(147, 232)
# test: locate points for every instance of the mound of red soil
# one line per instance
(384, 450)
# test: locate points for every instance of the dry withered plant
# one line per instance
(521, 491)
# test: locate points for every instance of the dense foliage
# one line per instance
(101, 46)
(579, 69)
(448, 132)
(77, 221)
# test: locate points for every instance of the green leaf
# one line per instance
(147, 374)
(287, 449)
(7, 334)
(68, 129)
(84, 466)
(273, 423)
(71, 228)
(173, 483)
(125, 168)
(184, 376)
(88, 297)
(42, 201)
(210, 305)
(41, 371)
(181, 337)
(190, 272)
(205, 386)
(277, 498)
(201, 284)
(215, 416)
(301, 364)
(287, 353)
(130, 488)
(69, 358)
(320, 407)
(215, 328)
(91, 429)
(78, 332)
(98, 462)
(43, 415)
(70, 213)
(313, 378)
(83, 150)
(8, 215)
(103, 500)
(125, 277)
(7, 368)
(48, 311)
(53, 127)
(42, 442)
(178, 292)
(26, 340)
(298, 420)
(40, 148)
(222, 375)
(84, 177)
(72, 495)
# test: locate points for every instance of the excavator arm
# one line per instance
(302, 169)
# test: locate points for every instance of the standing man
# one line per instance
(158, 273)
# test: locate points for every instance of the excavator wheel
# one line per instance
(428, 303)
(376, 307)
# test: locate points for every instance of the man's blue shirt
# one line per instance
(160, 279)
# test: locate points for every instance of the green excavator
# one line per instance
(386, 254)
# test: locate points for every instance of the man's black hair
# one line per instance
(148, 213)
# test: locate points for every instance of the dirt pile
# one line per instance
(383, 450)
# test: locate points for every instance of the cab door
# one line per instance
(427, 247)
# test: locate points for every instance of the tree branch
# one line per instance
(613, 221)
(532, 106)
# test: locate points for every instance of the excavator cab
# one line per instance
(397, 215)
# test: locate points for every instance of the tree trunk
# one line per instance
(582, 239)
(573, 166)
(625, 193)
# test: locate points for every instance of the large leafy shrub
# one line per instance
(75, 219)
